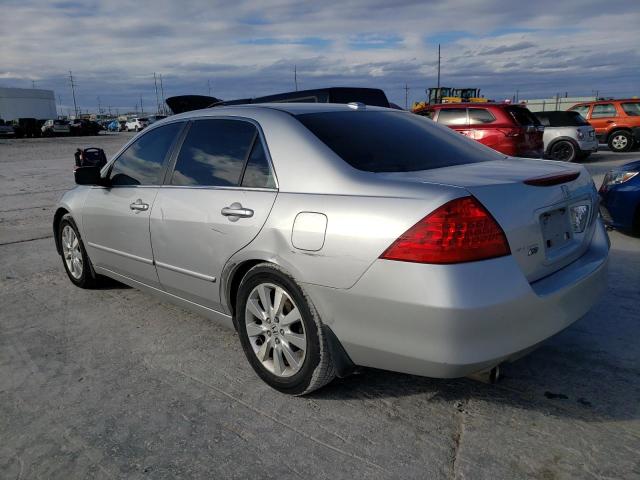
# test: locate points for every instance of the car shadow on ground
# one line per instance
(588, 372)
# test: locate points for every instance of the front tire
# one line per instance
(74, 256)
(620, 141)
(281, 332)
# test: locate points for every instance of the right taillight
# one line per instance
(461, 230)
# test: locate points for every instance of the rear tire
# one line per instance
(283, 340)
(564, 151)
(620, 141)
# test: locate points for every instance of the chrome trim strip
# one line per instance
(123, 254)
(184, 271)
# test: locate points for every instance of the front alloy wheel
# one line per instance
(71, 252)
(621, 141)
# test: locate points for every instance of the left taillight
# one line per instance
(461, 230)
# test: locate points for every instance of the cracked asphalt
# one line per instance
(113, 383)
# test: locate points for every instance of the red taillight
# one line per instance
(461, 230)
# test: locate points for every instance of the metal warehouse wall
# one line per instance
(555, 103)
(27, 103)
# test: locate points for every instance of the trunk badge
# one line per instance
(532, 250)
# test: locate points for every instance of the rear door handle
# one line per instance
(236, 210)
(139, 205)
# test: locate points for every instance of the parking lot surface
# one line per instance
(113, 383)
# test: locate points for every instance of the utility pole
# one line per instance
(109, 110)
(99, 107)
(438, 85)
(209, 86)
(33, 84)
(162, 93)
(60, 104)
(155, 83)
(73, 92)
(295, 76)
(406, 96)
(517, 96)
(141, 107)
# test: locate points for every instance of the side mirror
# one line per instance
(88, 176)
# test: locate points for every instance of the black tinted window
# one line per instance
(452, 116)
(258, 173)
(213, 153)
(393, 141)
(142, 162)
(603, 110)
(480, 115)
(561, 119)
(523, 116)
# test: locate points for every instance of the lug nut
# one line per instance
(281, 331)
(268, 333)
(277, 340)
(276, 320)
(268, 320)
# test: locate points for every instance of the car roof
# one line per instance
(476, 104)
(291, 108)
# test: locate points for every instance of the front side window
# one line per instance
(631, 109)
(142, 163)
(582, 110)
(480, 115)
(213, 153)
(603, 110)
(453, 116)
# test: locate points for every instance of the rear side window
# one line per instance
(603, 110)
(561, 119)
(631, 109)
(258, 173)
(452, 116)
(523, 116)
(214, 153)
(480, 115)
(393, 141)
(143, 161)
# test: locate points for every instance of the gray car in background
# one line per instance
(567, 136)
(332, 236)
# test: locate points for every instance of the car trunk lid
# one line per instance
(537, 203)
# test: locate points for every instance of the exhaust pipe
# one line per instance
(490, 376)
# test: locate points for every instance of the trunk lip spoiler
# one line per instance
(553, 179)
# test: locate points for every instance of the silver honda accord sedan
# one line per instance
(335, 236)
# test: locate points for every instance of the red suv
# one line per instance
(510, 129)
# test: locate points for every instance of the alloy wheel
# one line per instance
(71, 252)
(619, 142)
(275, 329)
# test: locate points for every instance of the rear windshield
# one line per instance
(393, 141)
(561, 119)
(523, 116)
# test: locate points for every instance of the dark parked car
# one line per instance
(6, 129)
(84, 127)
(368, 96)
(620, 198)
(509, 129)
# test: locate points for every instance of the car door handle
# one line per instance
(139, 205)
(236, 210)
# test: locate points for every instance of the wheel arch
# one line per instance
(57, 218)
(617, 129)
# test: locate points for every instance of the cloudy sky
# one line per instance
(245, 48)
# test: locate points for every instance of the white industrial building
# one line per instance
(27, 103)
(555, 103)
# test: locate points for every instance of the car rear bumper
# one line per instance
(453, 320)
(588, 145)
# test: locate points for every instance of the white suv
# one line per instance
(136, 124)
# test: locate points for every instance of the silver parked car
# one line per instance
(332, 236)
(567, 136)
